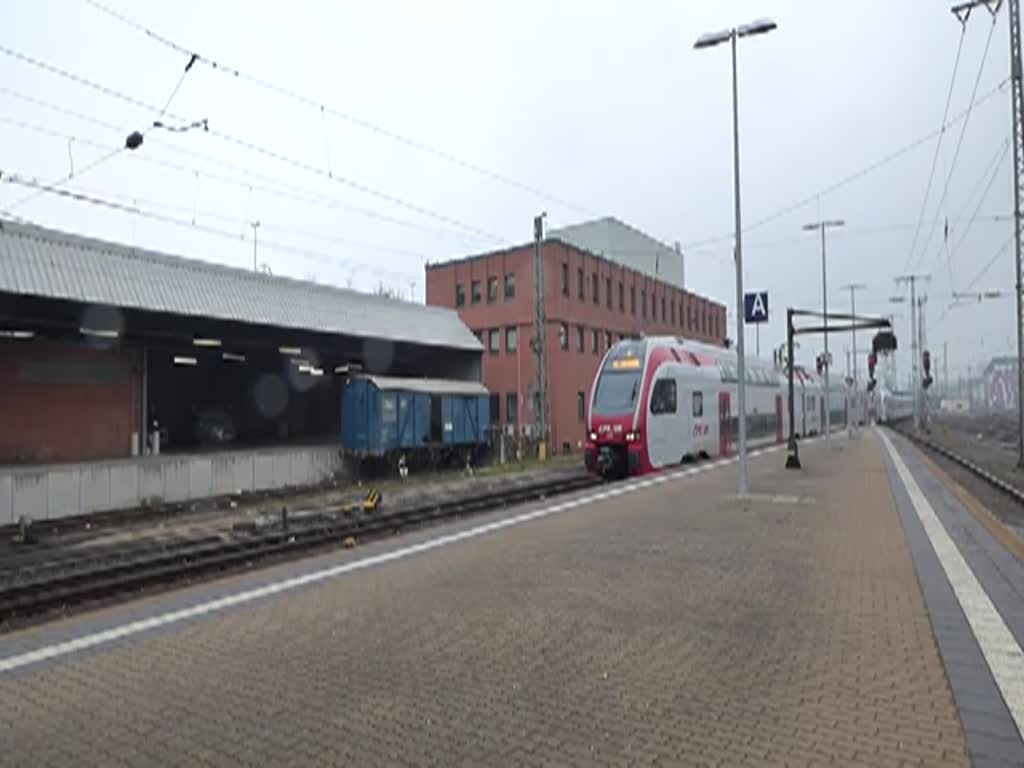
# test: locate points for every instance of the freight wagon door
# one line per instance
(436, 419)
(724, 423)
(471, 422)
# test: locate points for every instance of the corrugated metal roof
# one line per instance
(430, 386)
(42, 262)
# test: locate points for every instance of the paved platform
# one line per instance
(662, 622)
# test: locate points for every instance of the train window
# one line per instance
(581, 406)
(494, 341)
(510, 285)
(460, 295)
(492, 290)
(563, 336)
(663, 398)
(565, 279)
(511, 339)
(698, 404)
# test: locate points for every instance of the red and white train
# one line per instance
(660, 401)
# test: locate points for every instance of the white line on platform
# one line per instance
(106, 636)
(1001, 651)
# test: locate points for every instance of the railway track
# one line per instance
(67, 581)
(1009, 490)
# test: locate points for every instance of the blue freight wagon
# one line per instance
(429, 421)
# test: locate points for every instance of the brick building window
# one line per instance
(608, 292)
(474, 292)
(664, 314)
(512, 408)
(563, 336)
(460, 295)
(643, 303)
(492, 290)
(632, 300)
(673, 305)
(581, 285)
(495, 408)
(565, 279)
(595, 341)
(581, 406)
(595, 288)
(494, 341)
(510, 285)
(511, 339)
(607, 339)
(622, 297)
(579, 338)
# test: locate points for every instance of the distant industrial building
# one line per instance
(105, 348)
(591, 300)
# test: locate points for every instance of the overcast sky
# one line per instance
(597, 107)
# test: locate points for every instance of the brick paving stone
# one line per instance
(672, 626)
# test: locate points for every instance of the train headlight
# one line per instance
(593, 437)
(632, 437)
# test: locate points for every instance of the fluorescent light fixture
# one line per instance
(290, 350)
(102, 333)
(18, 334)
(201, 342)
(183, 360)
(710, 39)
(316, 371)
(234, 356)
(305, 368)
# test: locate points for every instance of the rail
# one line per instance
(981, 473)
(67, 582)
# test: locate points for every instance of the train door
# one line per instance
(664, 429)
(724, 423)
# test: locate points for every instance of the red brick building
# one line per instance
(590, 303)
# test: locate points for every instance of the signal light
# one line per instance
(927, 359)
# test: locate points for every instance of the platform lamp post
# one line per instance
(710, 40)
(814, 226)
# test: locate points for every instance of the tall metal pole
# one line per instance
(741, 384)
(824, 309)
(853, 288)
(1017, 89)
(540, 325)
(255, 226)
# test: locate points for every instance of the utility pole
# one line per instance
(255, 226)
(963, 11)
(912, 279)
(539, 327)
(853, 288)
(823, 225)
(945, 370)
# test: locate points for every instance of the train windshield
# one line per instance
(618, 386)
(617, 392)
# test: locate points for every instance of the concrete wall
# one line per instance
(59, 490)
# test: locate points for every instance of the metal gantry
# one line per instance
(963, 11)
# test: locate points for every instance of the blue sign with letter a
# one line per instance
(755, 307)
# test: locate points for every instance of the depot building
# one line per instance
(129, 375)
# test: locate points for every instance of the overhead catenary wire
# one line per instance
(322, 107)
(959, 143)
(251, 146)
(856, 175)
(20, 180)
(273, 185)
(938, 144)
(981, 273)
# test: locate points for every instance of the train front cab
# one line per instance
(615, 446)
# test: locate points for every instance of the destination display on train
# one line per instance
(626, 364)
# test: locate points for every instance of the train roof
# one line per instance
(428, 386)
